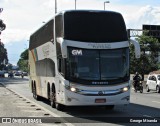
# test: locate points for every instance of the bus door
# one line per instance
(61, 74)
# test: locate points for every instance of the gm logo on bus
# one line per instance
(77, 52)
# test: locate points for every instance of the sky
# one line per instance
(23, 17)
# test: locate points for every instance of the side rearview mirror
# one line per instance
(137, 48)
(63, 47)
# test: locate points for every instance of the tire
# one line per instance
(135, 89)
(35, 96)
(34, 92)
(158, 89)
(147, 89)
(141, 89)
(53, 103)
(109, 107)
(52, 99)
(59, 107)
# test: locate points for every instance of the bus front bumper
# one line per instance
(87, 98)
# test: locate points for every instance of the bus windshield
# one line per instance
(94, 26)
(97, 65)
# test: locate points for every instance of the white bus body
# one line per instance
(81, 58)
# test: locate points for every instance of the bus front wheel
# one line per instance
(59, 107)
(53, 100)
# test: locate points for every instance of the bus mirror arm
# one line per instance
(63, 47)
(137, 48)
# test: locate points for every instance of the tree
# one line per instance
(3, 56)
(2, 25)
(3, 51)
(149, 55)
(9, 67)
(23, 61)
(24, 55)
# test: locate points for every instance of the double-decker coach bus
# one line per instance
(81, 58)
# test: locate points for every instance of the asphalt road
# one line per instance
(143, 106)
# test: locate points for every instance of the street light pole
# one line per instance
(105, 3)
(55, 6)
(75, 4)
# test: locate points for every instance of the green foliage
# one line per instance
(23, 61)
(3, 51)
(149, 55)
(24, 55)
(3, 55)
(9, 67)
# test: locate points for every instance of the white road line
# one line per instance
(156, 102)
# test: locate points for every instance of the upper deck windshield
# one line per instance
(98, 65)
(94, 26)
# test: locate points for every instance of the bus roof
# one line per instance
(89, 11)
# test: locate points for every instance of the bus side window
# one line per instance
(59, 65)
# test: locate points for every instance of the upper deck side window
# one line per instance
(59, 26)
(42, 35)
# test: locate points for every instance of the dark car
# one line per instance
(2, 74)
(10, 74)
(25, 73)
(18, 73)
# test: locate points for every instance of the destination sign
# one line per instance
(100, 46)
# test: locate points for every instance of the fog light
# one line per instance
(126, 98)
(73, 89)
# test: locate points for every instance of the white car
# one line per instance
(153, 83)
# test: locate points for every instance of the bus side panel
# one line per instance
(34, 79)
(45, 67)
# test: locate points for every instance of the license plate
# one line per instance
(100, 100)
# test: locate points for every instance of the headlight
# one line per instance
(73, 89)
(125, 89)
